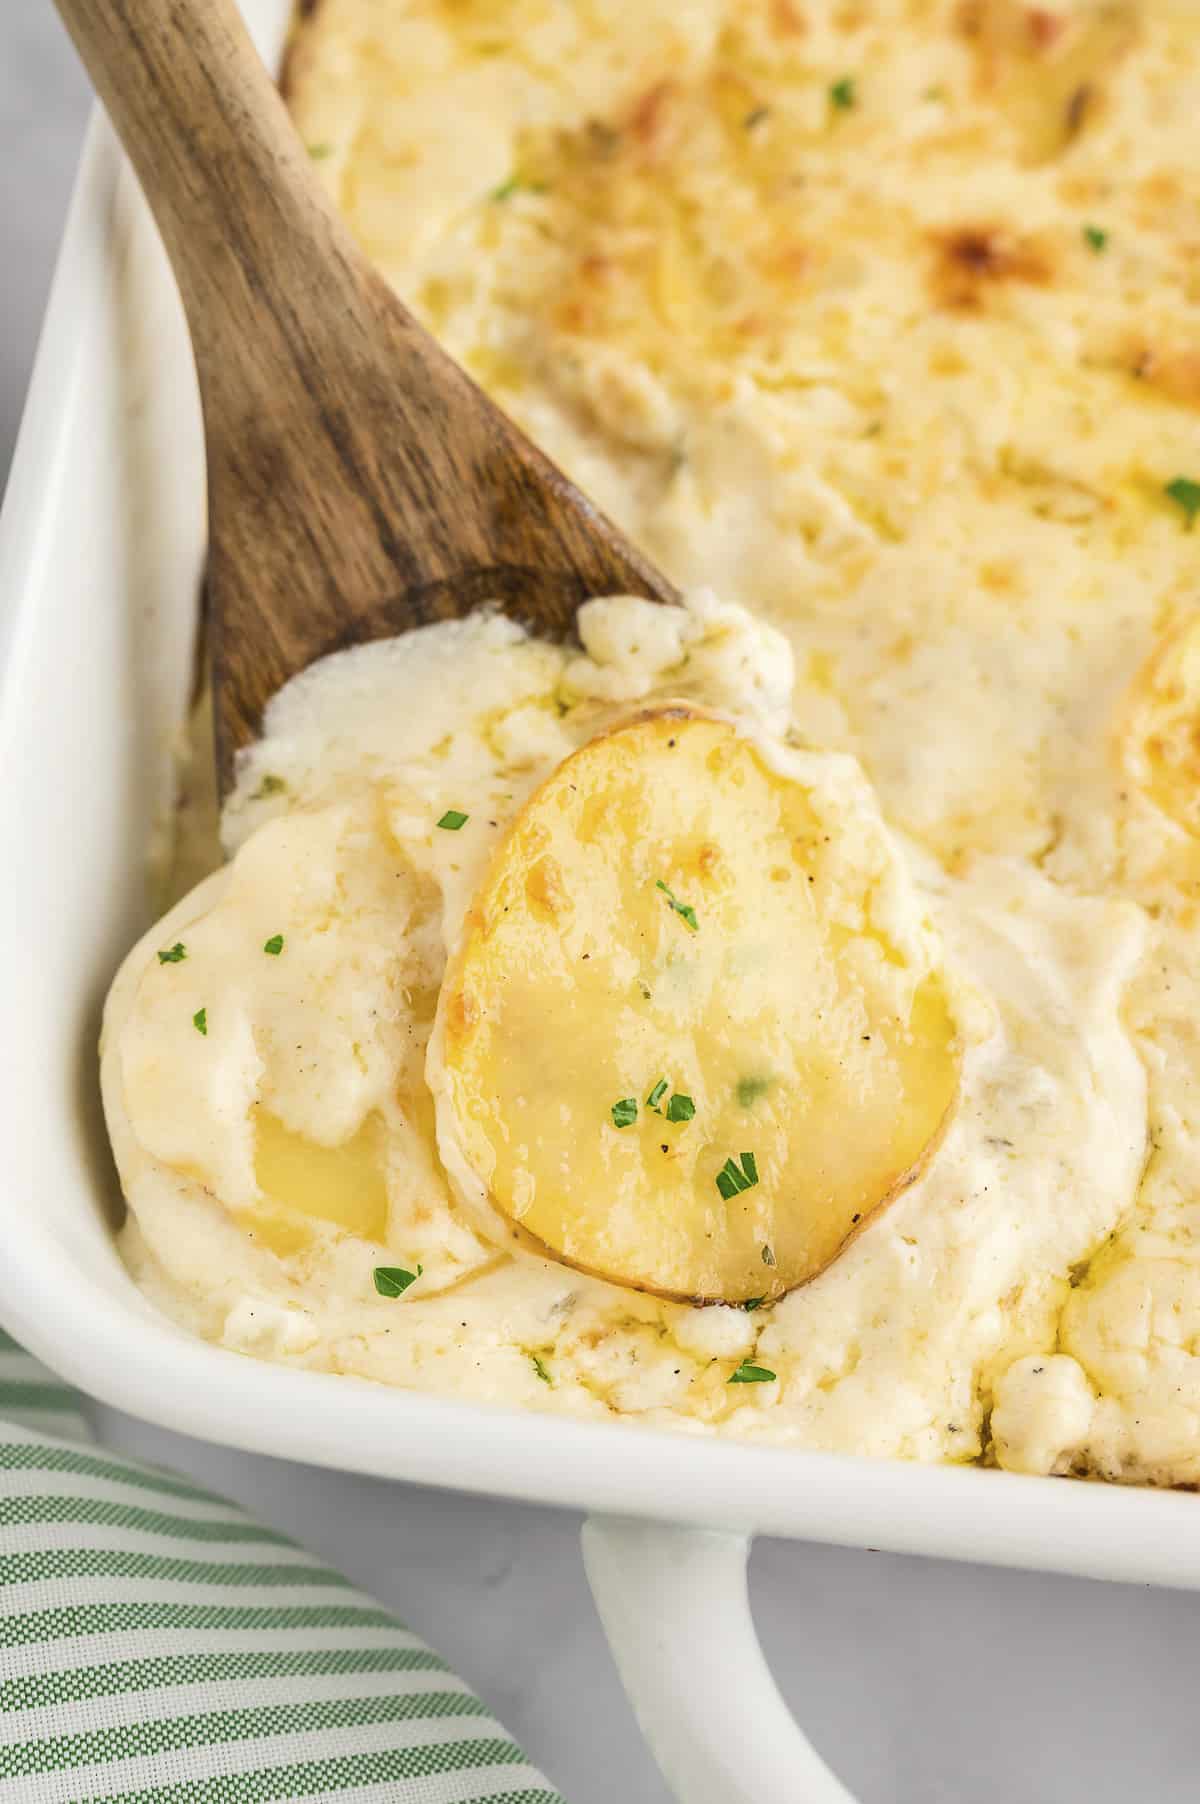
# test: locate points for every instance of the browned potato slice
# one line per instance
(680, 1045)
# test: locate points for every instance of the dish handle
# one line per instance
(675, 1606)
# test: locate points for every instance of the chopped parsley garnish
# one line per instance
(318, 152)
(453, 819)
(624, 1113)
(656, 1095)
(200, 1021)
(733, 1178)
(173, 955)
(540, 1369)
(842, 93)
(274, 945)
(684, 910)
(753, 1303)
(751, 1088)
(680, 1108)
(1187, 494)
(516, 185)
(393, 1280)
(748, 1373)
(756, 117)
(270, 786)
(1095, 237)
(768, 1256)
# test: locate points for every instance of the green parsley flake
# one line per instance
(393, 1280)
(174, 955)
(274, 945)
(733, 1178)
(684, 910)
(680, 1108)
(200, 1021)
(751, 1088)
(1095, 237)
(318, 152)
(541, 1371)
(1187, 494)
(756, 117)
(270, 786)
(768, 1256)
(516, 184)
(656, 1095)
(842, 93)
(453, 819)
(751, 1374)
(753, 1303)
(624, 1113)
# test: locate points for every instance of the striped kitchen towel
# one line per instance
(157, 1646)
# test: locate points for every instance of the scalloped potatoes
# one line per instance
(883, 320)
(310, 1131)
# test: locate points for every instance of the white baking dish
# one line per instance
(101, 545)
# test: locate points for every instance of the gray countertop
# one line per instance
(919, 1681)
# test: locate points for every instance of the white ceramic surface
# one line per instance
(100, 547)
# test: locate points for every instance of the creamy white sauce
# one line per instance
(893, 1350)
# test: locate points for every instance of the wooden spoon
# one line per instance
(358, 482)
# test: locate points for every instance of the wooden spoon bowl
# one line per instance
(359, 483)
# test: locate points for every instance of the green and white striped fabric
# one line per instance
(159, 1647)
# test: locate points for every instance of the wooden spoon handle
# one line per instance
(359, 483)
(223, 170)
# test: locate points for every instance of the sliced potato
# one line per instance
(680, 1046)
(344, 1185)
